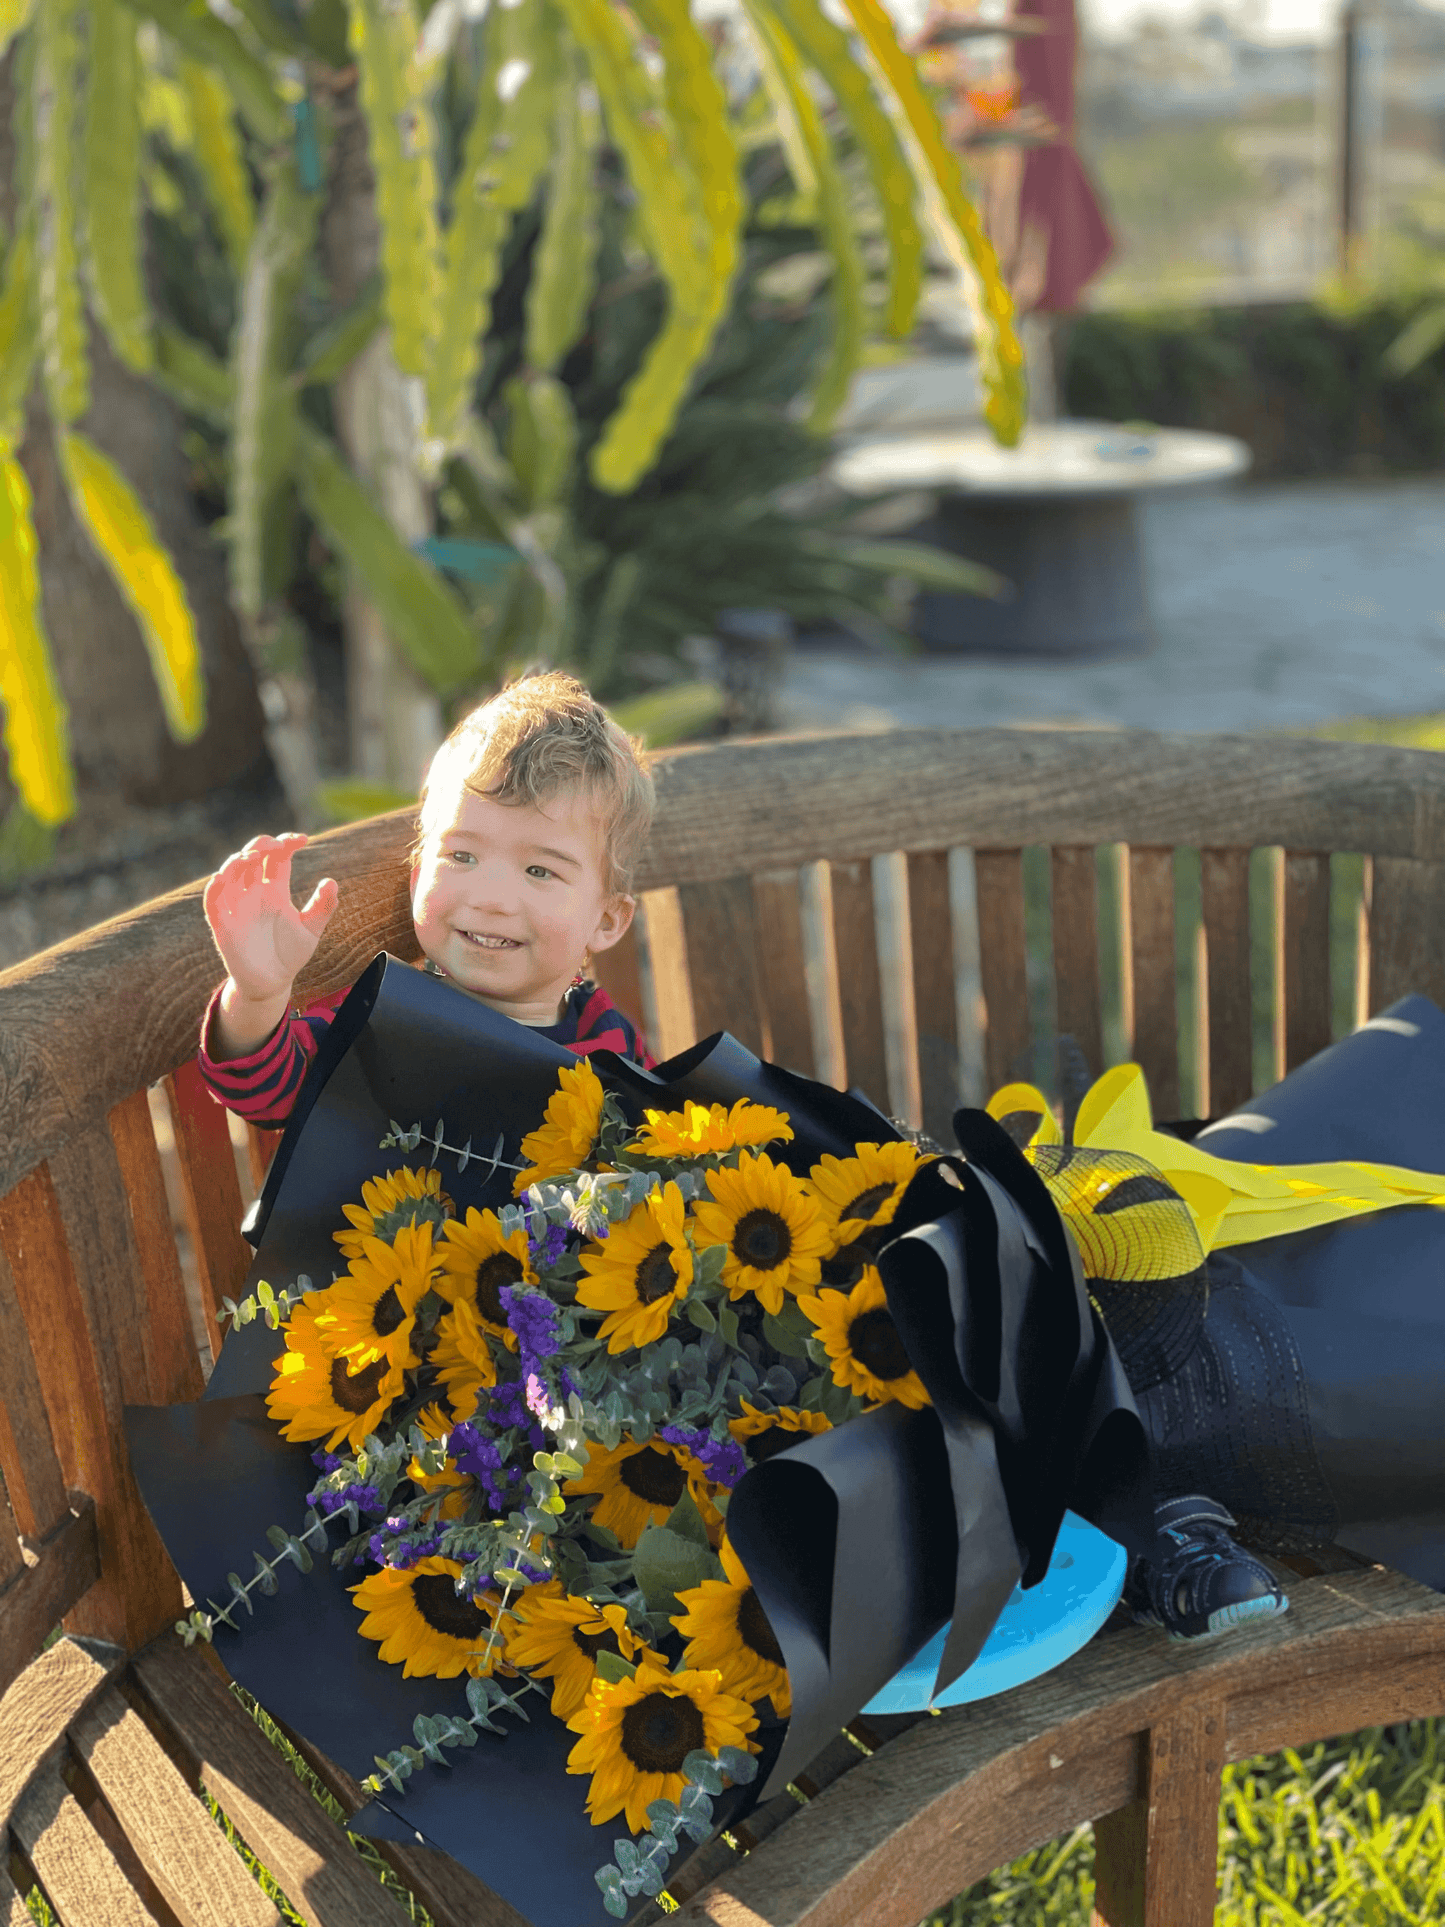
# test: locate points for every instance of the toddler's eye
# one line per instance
(538, 870)
(460, 856)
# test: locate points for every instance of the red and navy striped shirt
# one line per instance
(262, 1087)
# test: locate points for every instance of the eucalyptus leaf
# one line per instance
(614, 1668)
(665, 1564)
(687, 1522)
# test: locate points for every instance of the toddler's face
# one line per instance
(508, 897)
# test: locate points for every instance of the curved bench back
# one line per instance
(902, 912)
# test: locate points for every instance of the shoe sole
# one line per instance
(1224, 1617)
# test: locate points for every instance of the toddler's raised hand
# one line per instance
(264, 940)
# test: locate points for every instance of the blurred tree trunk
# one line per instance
(394, 718)
(119, 738)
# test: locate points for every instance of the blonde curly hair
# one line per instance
(544, 736)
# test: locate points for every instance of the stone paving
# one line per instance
(1277, 605)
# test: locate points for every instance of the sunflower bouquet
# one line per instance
(532, 1420)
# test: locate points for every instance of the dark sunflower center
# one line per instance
(386, 1313)
(653, 1476)
(656, 1275)
(446, 1610)
(873, 1340)
(659, 1732)
(754, 1630)
(767, 1445)
(591, 1644)
(502, 1268)
(762, 1240)
(356, 1391)
(866, 1202)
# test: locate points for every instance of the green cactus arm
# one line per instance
(201, 34)
(217, 149)
(564, 266)
(53, 113)
(36, 732)
(112, 184)
(18, 347)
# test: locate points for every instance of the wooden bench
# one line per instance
(856, 908)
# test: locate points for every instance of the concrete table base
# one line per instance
(1058, 516)
(1077, 570)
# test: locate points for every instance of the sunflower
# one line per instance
(774, 1232)
(864, 1190)
(478, 1262)
(371, 1309)
(863, 1342)
(463, 1358)
(401, 1197)
(637, 1733)
(699, 1128)
(316, 1395)
(640, 1484)
(641, 1272)
(558, 1635)
(762, 1435)
(727, 1631)
(425, 1625)
(564, 1141)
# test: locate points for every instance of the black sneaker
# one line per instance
(1197, 1581)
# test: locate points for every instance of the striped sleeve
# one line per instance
(262, 1087)
(600, 1025)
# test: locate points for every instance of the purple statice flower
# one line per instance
(533, 1317)
(402, 1545)
(366, 1497)
(327, 1461)
(481, 1457)
(549, 1247)
(508, 1406)
(721, 1459)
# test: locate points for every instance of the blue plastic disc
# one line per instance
(1036, 1631)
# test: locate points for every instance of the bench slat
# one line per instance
(1151, 1019)
(13, 1911)
(1003, 966)
(1303, 1003)
(1226, 1045)
(83, 1364)
(77, 1870)
(1074, 898)
(173, 1365)
(295, 1839)
(212, 1193)
(935, 999)
(1406, 914)
(38, 1707)
(722, 960)
(195, 1869)
(33, 1478)
(778, 920)
(37, 1597)
(860, 986)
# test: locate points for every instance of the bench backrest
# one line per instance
(903, 912)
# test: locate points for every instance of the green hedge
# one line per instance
(1302, 382)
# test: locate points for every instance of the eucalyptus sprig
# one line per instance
(640, 1867)
(290, 1548)
(434, 1732)
(264, 1302)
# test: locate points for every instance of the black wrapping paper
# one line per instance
(860, 1542)
(1314, 1405)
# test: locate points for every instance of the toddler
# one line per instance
(533, 816)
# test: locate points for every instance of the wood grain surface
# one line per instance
(1303, 1005)
(85, 1361)
(61, 1569)
(860, 986)
(1226, 1030)
(197, 1872)
(957, 1795)
(935, 1000)
(1003, 965)
(80, 1875)
(314, 1863)
(173, 1369)
(1074, 904)
(211, 1190)
(33, 1478)
(783, 969)
(36, 1710)
(1151, 1019)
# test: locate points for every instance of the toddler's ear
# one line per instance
(615, 922)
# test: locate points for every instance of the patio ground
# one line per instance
(1278, 605)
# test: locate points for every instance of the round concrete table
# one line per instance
(1058, 516)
